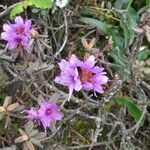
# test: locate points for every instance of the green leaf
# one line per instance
(123, 4)
(132, 13)
(117, 54)
(128, 25)
(17, 10)
(148, 2)
(133, 110)
(143, 55)
(43, 4)
(88, 12)
(125, 30)
(129, 34)
(120, 3)
(102, 26)
(117, 60)
(117, 38)
(118, 44)
(129, 4)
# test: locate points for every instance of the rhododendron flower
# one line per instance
(46, 114)
(77, 75)
(49, 112)
(17, 35)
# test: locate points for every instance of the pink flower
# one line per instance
(32, 114)
(77, 75)
(46, 114)
(69, 75)
(73, 63)
(92, 77)
(49, 112)
(17, 35)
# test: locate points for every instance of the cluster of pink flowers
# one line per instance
(17, 35)
(77, 75)
(45, 115)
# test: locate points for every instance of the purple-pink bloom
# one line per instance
(17, 35)
(32, 114)
(48, 113)
(72, 63)
(77, 75)
(92, 77)
(69, 74)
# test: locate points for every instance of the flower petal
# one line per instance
(70, 91)
(58, 116)
(7, 28)
(19, 20)
(74, 61)
(101, 79)
(78, 85)
(6, 36)
(90, 62)
(97, 69)
(28, 24)
(87, 86)
(26, 45)
(64, 65)
(98, 88)
(12, 45)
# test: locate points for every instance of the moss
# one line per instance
(82, 126)
(2, 130)
(2, 97)
(15, 127)
(80, 53)
(66, 134)
(3, 79)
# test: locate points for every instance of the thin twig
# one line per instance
(66, 36)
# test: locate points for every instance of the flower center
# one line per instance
(85, 75)
(20, 31)
(48, 111)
